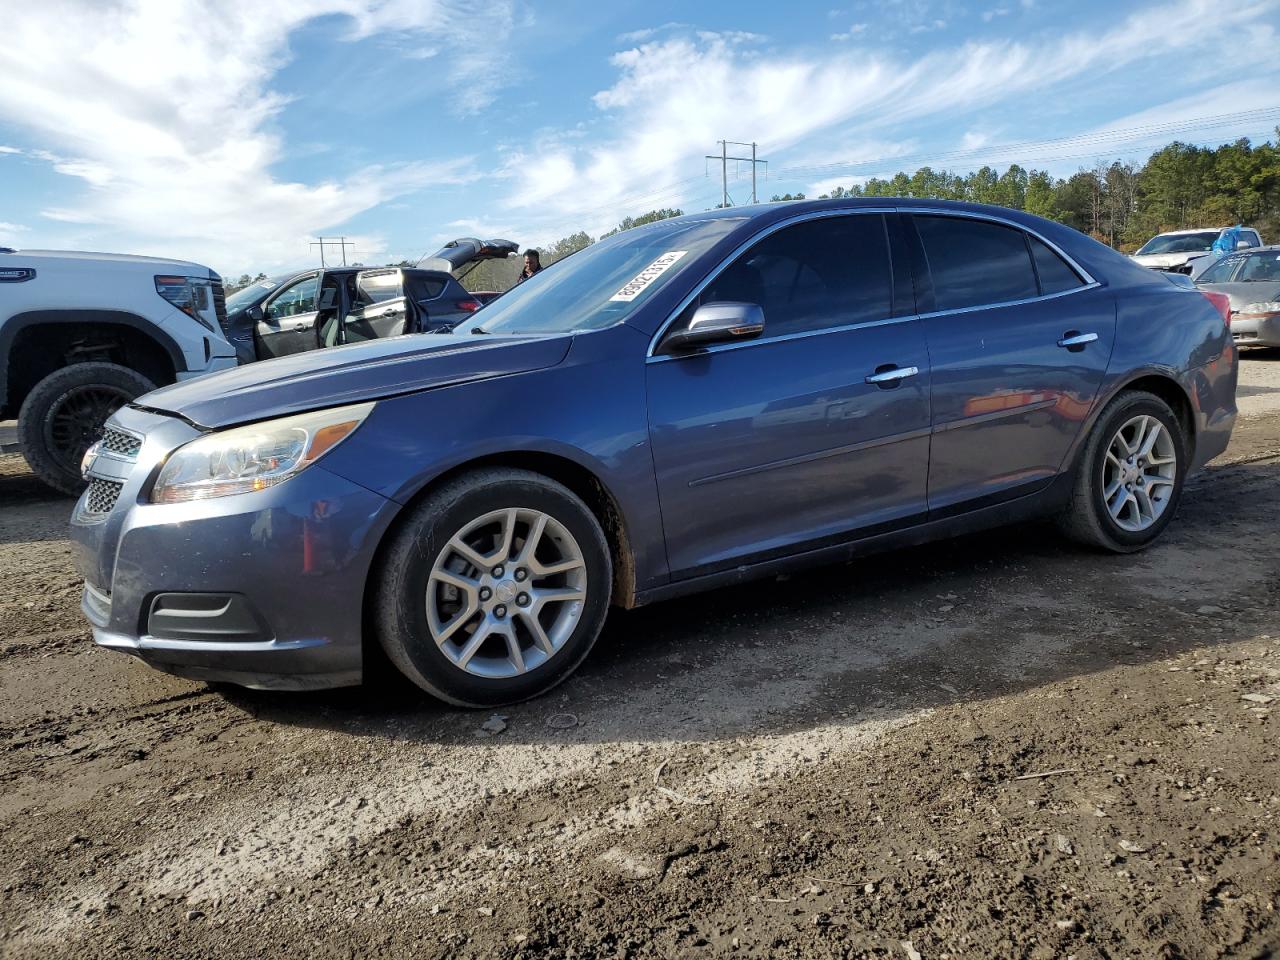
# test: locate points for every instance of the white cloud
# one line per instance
(163, 111)
(4, 149)
(9, 233)
(853, 31)
(675, 97)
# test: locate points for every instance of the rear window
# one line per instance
(975, 262)
(1055, 274)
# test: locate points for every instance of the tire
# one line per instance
(64, 413)
(1087, 519)
(420, 563)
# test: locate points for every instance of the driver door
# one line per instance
(812, 434)
(289, 319)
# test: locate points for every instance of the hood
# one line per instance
(351, 374)
(464, 251)
(1163, 261)
(1243, 294)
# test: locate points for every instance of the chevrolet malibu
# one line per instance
(684, 405)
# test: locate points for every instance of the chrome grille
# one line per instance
(103, 495)
(121, 443)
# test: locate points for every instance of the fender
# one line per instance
(1108, 392)
(9, 330)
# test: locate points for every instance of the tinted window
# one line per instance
(1251, 238)
(425, 288)
(824, 273)
(377, 288)
(974, 262)
(1055, 274)
(297, 299)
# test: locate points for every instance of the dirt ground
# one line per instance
(1001, 746)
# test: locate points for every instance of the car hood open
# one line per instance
(351, 374)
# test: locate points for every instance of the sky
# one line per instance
(234, 132)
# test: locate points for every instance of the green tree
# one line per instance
(651, 217)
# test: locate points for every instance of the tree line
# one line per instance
(1123, 204)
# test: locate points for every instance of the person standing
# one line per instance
(532, 265)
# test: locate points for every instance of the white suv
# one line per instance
(81, 334)
(1189, 251)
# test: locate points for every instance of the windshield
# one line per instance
(607, 282)
(253, 293)
(1180, 243)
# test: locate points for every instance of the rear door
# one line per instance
(1019, 340)
(379, 309)
(814, 432)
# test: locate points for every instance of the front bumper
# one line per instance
(263, 589)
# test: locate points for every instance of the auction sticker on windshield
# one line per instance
(638, 284)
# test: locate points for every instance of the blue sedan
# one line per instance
(687, 404)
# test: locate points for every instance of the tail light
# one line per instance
(470, 306)
(1222, 303)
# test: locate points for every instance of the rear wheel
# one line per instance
(493, 589)
(63, 416)
(1130, 476)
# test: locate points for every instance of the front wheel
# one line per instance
(64, 413)
(493, 589)
(1130, 476)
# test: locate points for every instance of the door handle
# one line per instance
(1073, 339)
(887, 376)
(300, 326)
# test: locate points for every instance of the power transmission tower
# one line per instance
(341, 242)
(724, 159)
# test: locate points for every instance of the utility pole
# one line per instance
(724, 159)
(341, 242)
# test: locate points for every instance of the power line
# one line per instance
(341, 242)
(724, 167)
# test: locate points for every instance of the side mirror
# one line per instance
(255, 313)
(717, 323)
(1242, 244)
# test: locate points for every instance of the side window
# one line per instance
(376, 288)
(1263, 267)
(1251, 238)
(1221, 271)
(1054, 272)
(975, 262)
(420, 289)
(297, 299)
(824, 273)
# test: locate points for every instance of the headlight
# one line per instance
(190, 295)
(254, 457)
(1268, 306)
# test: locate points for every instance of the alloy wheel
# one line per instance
(506, 592)
(1139, 473)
